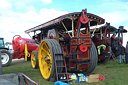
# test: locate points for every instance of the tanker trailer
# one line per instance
(23, 47)
(64, 48)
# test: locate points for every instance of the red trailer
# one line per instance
(23, 47)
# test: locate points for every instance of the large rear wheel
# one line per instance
(93, 59)
(47, 49)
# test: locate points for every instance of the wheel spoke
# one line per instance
(34, 63)
(44, 64)
(46, 46)
(33, 59)
(46, 69)
(50, 63)
(44, 50)
(47, 53)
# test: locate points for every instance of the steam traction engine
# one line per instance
(102, 41)
(64, 47)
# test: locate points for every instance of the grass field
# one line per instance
(115, 74)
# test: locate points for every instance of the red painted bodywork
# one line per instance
(19, 46)
(75, 42)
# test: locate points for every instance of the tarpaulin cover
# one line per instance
(16, 79)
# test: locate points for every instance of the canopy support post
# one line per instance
(72, 27)
(66, 30)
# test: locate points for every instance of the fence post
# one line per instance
(0, 64)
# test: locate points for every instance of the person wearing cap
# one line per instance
(121, 51)
(126, 55)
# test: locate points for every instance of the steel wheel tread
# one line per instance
(48, 70)
(93, 59)
(58, 50)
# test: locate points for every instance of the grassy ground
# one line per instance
(115, 74)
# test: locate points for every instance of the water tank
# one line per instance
(18, 44)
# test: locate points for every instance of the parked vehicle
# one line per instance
(6, 57)
(64, 47)
(102, 41)
(102, 38)
(22, 47)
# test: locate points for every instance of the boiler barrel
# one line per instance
(19, 44)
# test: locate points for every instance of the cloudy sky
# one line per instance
(16, 16)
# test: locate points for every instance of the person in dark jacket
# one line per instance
(121, 53)
(126, 55)
(113, 40)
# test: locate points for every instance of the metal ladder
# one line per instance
(61, 76)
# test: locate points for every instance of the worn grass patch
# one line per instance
(115, 74)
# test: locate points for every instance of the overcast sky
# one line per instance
(16, 16)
